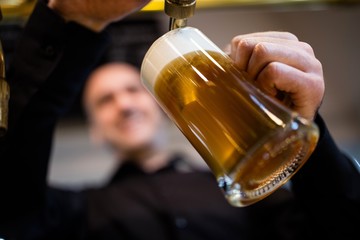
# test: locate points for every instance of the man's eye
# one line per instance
(103, 101)
(133, 89)
(137, 89)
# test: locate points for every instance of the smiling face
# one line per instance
(121, 111)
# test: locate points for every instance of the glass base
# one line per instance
(270, 165)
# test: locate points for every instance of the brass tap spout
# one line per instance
(4, 93)
(179, 11)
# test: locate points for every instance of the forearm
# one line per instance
(327, 192)
(47, 71)
(47, 41)
(328, 172)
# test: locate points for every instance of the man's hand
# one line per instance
(279, 63)
(96, 14)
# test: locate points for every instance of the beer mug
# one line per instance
(252, 143)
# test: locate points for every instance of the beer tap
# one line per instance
(179, 11)
(4, 92)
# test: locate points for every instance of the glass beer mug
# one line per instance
(252, 143)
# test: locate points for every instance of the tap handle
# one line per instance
(4, 93)
(179, 11)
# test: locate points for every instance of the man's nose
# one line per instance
(124, 101)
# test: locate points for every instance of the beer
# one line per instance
(252, 143)
(251, 151)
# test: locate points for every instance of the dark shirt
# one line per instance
(173, 204)
(322, 200)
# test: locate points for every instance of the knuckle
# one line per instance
(290, 36)
(307, 47)
(241, 43)
(261, 49)
(272, 72)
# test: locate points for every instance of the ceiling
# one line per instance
(19, 10)
(157, 5)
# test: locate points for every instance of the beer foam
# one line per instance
(172, 45)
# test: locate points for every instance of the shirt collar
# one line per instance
(130, 169)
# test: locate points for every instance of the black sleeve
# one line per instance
(329, 173)
(327, 191)
(48, 69)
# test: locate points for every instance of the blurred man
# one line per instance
(125, 117)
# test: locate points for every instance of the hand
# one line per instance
(279, 63)
(95, 14)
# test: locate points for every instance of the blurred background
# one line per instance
(331, 27)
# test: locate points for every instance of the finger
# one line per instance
(304, 90)
(295, 54)
(259, 36)
(242, 47)
(269, 34)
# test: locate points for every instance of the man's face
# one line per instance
(122, 113)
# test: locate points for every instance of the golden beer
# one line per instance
(250, 151)
(252, 143)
